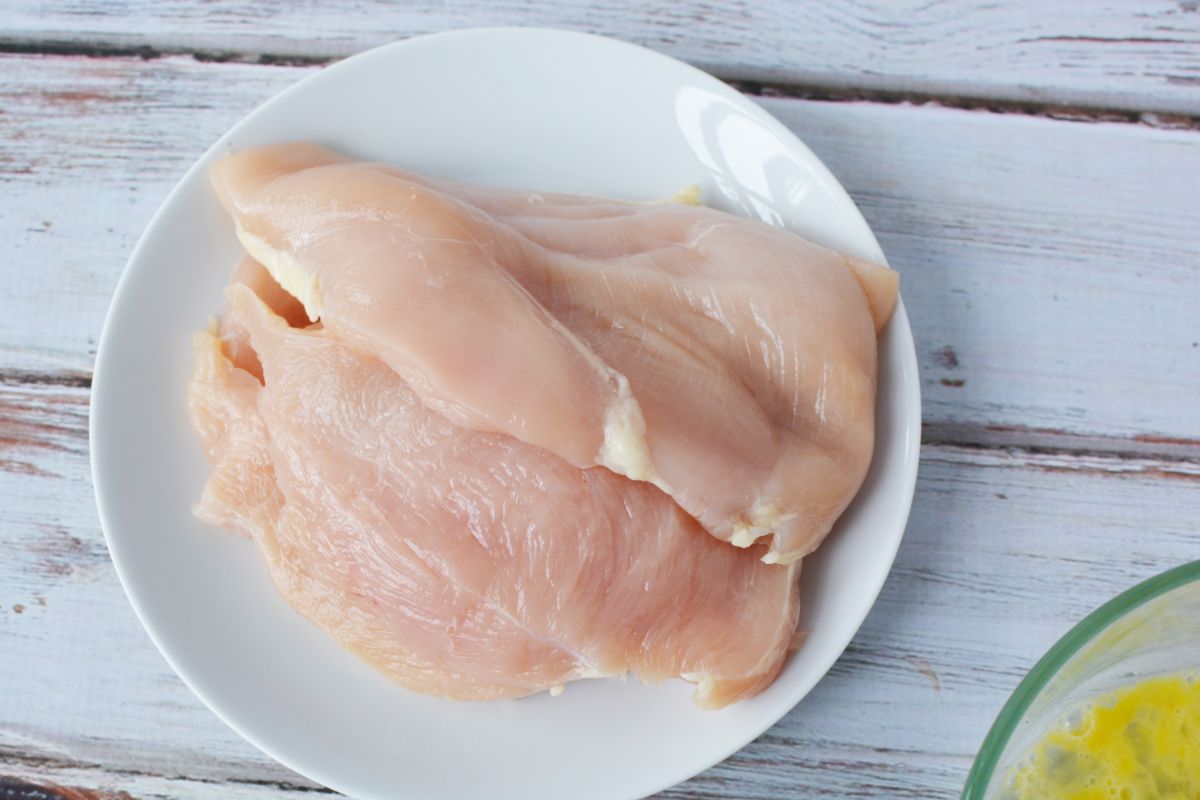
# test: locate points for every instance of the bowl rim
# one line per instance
(1087, 629)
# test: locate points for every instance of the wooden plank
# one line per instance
(1143, 56)
(88, 150)
(1050, 267)
(971, 604)
(81, 782)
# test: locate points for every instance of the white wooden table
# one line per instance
(1032, 171)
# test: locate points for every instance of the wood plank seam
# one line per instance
(783, 90)
(1057, 111)
(1044, 441)
(101, 49)
(71, 379)
(53, 763)
(118, 773)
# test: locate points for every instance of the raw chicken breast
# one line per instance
(461, 562)
(727, 362)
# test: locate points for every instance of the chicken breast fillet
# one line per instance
(461, 562)
(728, 363)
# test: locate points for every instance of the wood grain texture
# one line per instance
(1107, 53)
(87, 701)
(1050, 267)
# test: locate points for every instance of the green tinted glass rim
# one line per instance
(1054, 660)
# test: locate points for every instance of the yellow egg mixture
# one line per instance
(1141, 742)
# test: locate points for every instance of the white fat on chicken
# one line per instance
(287, 270)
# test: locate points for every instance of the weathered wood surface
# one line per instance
(1123, 54)
(1050, 266)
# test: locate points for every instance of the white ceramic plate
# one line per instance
(535, 108)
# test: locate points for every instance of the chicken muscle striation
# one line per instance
(729, 363)
(461, 562)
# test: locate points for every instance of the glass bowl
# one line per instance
(1151, 629)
